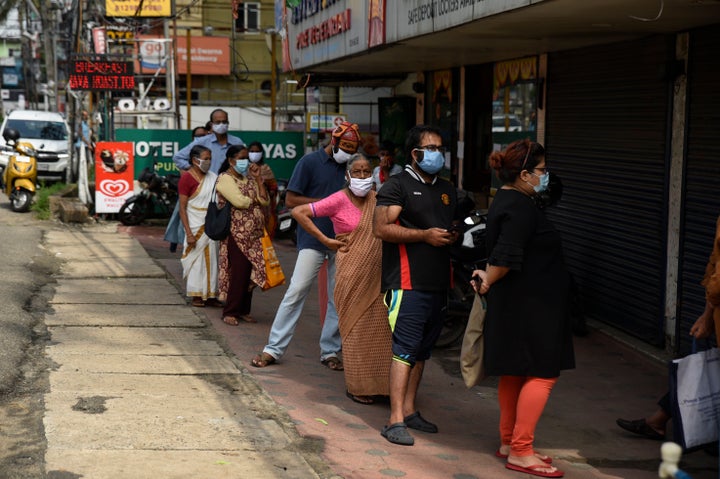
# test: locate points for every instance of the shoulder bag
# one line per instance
(471, 353)
(217, 220)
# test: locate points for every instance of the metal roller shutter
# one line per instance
(701, 205)
(608, 140)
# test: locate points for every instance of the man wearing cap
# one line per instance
(317, 175)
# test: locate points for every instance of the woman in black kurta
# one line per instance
(527, 332)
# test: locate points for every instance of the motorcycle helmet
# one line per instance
(11, 135)
(346, 136)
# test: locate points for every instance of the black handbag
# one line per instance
(217, 220)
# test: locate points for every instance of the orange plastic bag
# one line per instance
(275, 275)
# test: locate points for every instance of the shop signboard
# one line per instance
(326, 122)
(156, 147)
(113, 175)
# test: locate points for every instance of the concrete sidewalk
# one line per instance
(144, 388)
(141, 387)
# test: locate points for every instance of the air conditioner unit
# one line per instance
(126, 104)
(144, 104)
(161, 104)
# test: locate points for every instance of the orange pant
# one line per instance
(522, 400)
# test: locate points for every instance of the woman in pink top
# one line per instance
(362, 314)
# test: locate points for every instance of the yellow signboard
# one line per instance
(133, 8)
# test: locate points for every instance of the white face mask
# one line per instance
(220, 128)
(361, 186)
(204, 165)
(255, 156)
(341, 156)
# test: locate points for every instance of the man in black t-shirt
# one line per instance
(415, 210)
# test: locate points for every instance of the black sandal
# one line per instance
(367, 400)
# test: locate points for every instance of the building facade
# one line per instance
(623, 96)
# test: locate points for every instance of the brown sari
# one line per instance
(363, 317)
(247, 227)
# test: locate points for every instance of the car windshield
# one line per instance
(39, 129)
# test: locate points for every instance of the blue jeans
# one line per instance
(306, 270)
(175, 231)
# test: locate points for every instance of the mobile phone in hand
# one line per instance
(478, 282)
(454, 228)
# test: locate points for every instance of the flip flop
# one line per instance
(263, 360)
(367, 400)
(198, 302)
(333, 363)
(534, 470)
(542, 457)
(397, 434)
(248, 319)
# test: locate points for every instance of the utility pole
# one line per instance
(49, 34)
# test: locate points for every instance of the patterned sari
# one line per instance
(364, 327)
(247, 228)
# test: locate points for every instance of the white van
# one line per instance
(49, 134)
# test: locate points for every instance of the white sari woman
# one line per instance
(200, 253)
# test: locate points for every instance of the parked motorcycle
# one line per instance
(156, 200)
(465, 257)
(20, 174)
(287, 226)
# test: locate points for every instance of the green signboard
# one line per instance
(282, 148)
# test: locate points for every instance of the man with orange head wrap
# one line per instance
(317, 175)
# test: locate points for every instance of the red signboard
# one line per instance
(101, 75)
(114, 173)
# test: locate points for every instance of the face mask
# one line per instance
(241, 166)
(204, 165)
(341, 156)
(544, 182)
(431, 162)
(255, 156)
(361, 186)
(220, 128)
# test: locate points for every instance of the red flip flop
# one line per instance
(534, 470)
(543, 458)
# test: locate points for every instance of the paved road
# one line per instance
(25, 286)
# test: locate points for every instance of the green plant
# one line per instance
(41, 206)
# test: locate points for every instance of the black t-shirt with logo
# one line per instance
(419, 266)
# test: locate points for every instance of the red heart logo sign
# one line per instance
(114, 187)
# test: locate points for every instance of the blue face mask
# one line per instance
(544, 182)
(431, 162)
(241, 166)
